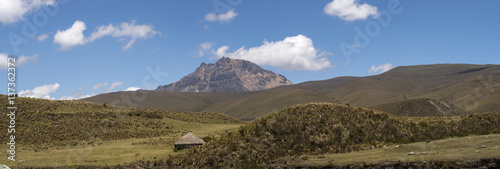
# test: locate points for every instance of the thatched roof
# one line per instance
(189, 138)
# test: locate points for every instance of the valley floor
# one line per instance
(466, 149)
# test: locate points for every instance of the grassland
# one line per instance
(458, 149)
(321, 128)
(78, 133)
(472, 88)
(112, 152)
(62, 133)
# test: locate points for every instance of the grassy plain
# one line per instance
(459, 148)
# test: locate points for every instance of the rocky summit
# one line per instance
(227, 75)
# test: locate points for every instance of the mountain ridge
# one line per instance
(472, 88)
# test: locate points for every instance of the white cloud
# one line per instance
(42, 37)
(113, 85)
(132, 89)
(380, 68)
(225, 17)
(74, 35)
(205, 48)
(88, 95)
(19, 61)
(99, 85)
(350, 10)
(40, 91)
(124, 30)
(77, 94)
(14, 10)
(25, 59)
(292, 53)
(67, 98)
(71, 36)
(76, 97)
(73, 96)
(3, 61)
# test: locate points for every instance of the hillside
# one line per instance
(100, 134)
(421, 107)
(472, 88)
(227, 75)
(479, 151)
(315, 129)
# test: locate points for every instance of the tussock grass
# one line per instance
(320, 128)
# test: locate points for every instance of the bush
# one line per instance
(207, 139)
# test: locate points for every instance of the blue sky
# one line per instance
(73, 48)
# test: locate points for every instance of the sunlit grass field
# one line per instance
(462, 148)
(112, 152)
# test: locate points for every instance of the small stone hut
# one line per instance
(188, 141)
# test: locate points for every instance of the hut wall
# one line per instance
(186, 146)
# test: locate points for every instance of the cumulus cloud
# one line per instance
(19, 61)
(42, 37)
(40, 91)
(67, 98)
(113, 85)
(132, 89)
(380, 68)
(350, 10)
(74, 35)
(205, 48)
(124, 30)
(87, 95)
(225, 17)
(99, 85)
(14, 10)
(71, 36)
(292, 53)
(3, 61)
(76, 97)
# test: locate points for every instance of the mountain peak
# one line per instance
(227, 75)
(225, 59)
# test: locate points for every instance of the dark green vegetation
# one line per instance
(472, 88)
(421, 107)
(319, 128)
(42, 124)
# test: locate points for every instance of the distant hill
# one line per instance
(320, 128)
(421, 107)
(472, 88)
(227, 75)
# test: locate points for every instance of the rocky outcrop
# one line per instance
(227, 75)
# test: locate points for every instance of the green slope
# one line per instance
(262, 103)
(473, 88)
(421, 107)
